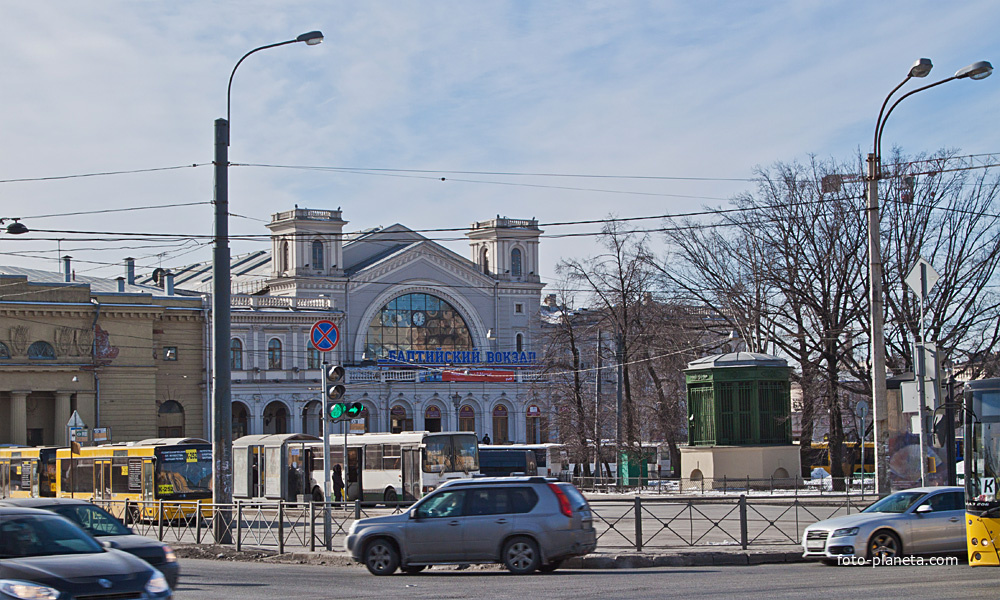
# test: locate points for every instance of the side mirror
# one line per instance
(924, 508)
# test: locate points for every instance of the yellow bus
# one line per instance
(27, 472)
(820, 452)
(175, 470)
(982, 472)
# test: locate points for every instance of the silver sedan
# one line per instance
(927, 520)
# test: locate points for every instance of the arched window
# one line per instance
(313, 360)
(312, 418)
(484, 260)
(466, 418)
(399, 419)
(417, 322)
(274, 354)
(515, 262)
(501, 434)
(432, 418)
(275, 418)
(317, 255)
(519, 342)
(4, 350)
(283, 265)
(170, 419)
(41, 351)
(236, 354)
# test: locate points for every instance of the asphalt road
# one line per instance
(210, 580)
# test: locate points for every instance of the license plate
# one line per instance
(815, 545)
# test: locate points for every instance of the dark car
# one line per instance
(525, 523)
(46, 556)
(106, 528)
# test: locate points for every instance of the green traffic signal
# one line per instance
(354, 409)
(337, 410)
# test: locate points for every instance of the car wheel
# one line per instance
(520, 555)
(552, 566)
(413, 570)
(381, 557)
(884, 544)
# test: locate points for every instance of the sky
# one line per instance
(628, 108)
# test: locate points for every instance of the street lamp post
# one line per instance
(222, 407)
(921, 68)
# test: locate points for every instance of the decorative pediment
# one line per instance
(432, 254)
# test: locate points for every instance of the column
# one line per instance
(85, 403)
(19, 417)
(62, 414)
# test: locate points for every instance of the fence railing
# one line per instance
(851, 486)
(638, 523)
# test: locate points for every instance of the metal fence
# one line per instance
(795, 486)
(636, 523)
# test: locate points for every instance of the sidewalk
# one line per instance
(612, 559)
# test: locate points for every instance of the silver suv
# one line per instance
(526, 523)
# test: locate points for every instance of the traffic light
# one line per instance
(343, 411)
(334, 384)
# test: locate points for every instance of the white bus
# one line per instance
(551, 459)
(397, 466)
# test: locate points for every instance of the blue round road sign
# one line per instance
(324, 336)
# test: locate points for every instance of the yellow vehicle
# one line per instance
(820, 452)
(982, 472)
(27, 472)
(177, 471)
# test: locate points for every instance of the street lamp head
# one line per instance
(311, 39)
(977, 70)
(921, 68)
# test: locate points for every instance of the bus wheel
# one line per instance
(390, 495)
(381, 557)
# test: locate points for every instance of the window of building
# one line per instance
(399, 420)
(274, 354)
(275, 418)
(170, 353)
(41, 351)
(241, 420)
(501, 434)
(515, 262)
(418, 322)
(518, 308)
(236, 354)
(432, 418)
(283, 266)
(536, 426)
(317, 254)
(466, 418)
(313, 359)
(484, 260)
(4, 351)
(170, 419)
(519, 342)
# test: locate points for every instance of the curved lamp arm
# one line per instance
(311, 39)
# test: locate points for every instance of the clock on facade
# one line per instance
(418, 319)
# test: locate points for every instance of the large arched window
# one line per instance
(317, 254)
(501, 432)
(275, 418)
(432, 418)
(419, 322)
(467, 418)
(41, 351)
(274, 354)
(236, 354)
(170, 419)
(313, 359)
(515, 262)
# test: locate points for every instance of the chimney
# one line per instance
(130, 270)
(170, 283)
(121, 284)
(67, 269)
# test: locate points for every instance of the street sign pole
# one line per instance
(921, 279)
(327, 524)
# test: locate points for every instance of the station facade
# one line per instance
(430, 340)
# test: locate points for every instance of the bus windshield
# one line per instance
(451, 453)
(184, 473)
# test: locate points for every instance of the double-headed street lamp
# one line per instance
(921, 68)
(222, 408)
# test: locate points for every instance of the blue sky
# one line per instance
(665, 89)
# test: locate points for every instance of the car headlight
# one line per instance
(27, 590)
(157, 584)
(168, 554)
(845, 532)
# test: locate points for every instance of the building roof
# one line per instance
(737, 359)
(98, 285)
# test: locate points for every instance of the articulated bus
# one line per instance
(982, 472)
(170, 469)
(27, 472)
(397, 466)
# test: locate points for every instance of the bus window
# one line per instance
(466, 449)
(438, 455)
(183, 471)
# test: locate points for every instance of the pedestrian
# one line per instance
(338, 483)
(486, 439)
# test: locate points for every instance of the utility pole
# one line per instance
(597, 406)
